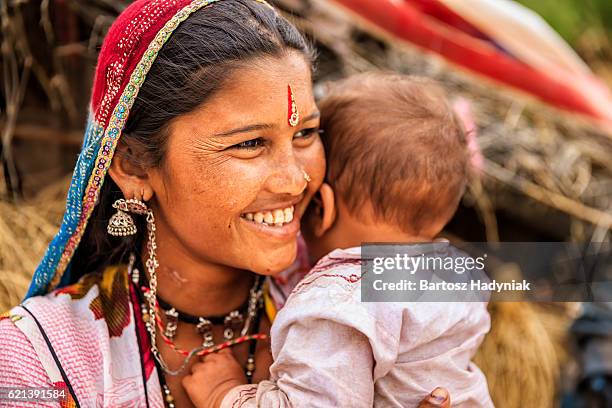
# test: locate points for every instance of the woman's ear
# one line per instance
(131, 177)
(326, 210)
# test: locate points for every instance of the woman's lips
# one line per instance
(281, 230)
(271, 207)
(276, 217)
(281, 221)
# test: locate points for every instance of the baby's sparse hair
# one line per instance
(394, 142)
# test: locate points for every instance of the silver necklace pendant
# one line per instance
(232, 322)
(205, 328)
(255, 302)
(171, 323)
(228, 333)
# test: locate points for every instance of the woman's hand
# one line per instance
(439, 398)
(212, 377)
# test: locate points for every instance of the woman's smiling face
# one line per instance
(235, 161)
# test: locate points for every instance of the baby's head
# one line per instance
(397, 162)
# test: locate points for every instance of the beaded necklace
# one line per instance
(254, 311)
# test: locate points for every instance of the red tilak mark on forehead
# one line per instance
(293, 116)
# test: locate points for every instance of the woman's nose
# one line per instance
(287, 175)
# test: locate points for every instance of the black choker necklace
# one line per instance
(204, 324)
(232, 322)
(191, 319)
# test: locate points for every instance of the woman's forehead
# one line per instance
(257, 93)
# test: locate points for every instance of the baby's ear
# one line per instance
(327, 205)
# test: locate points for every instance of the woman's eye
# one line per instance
(249, 144)
(306, 133)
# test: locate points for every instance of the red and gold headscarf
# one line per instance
(130, 48)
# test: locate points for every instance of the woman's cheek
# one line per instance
(200, 204)
(315, 164)
(220, 202)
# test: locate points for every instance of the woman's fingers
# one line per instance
(439, 398)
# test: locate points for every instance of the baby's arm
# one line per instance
(320, 363)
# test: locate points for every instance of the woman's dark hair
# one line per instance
(189, 69)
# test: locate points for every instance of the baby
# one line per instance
(397, 168)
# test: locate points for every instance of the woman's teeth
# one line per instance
(276, 217)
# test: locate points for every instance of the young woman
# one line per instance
(200, 156)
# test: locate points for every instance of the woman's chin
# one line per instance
(277, 261)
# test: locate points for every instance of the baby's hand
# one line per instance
(212, 377)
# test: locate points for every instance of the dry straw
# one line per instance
(523, 354)
(25, 232)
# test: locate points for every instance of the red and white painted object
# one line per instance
(500, 40)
